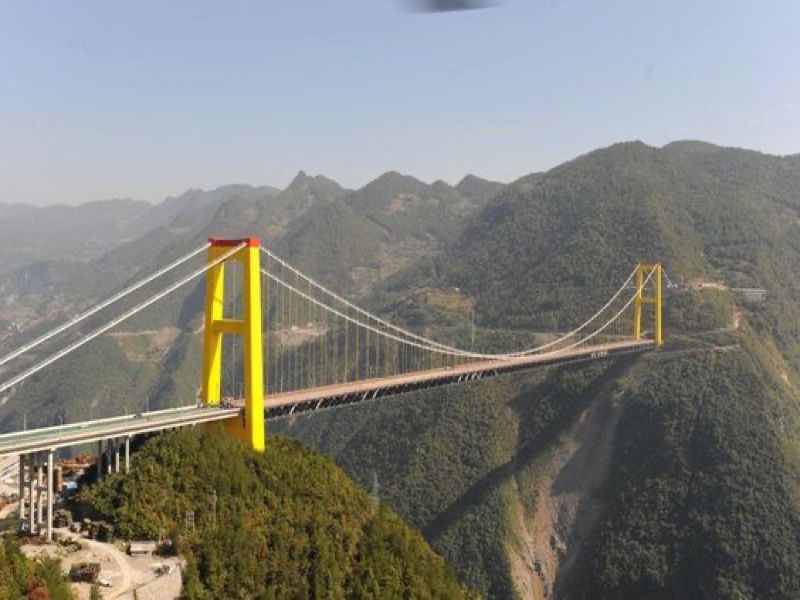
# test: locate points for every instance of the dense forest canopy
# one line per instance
(700, 495)
(286, 523)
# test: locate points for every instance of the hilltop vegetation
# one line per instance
(287, 523)
(477, 189)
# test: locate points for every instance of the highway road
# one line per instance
(295, 402)
(60, 436)
(308, 400)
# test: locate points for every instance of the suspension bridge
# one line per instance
(277, 343)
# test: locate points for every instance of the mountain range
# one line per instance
(668, 476)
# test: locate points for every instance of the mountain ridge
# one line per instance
(706, 455)
(539, 256)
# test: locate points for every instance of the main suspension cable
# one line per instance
(358, 323)
(98, 307)
(116, 321)
(442, 351)
(432, 344)
(615, 317)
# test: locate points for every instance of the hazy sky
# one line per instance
(143, 99)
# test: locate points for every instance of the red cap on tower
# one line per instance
(252, 242)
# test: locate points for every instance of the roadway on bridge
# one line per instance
(52, 438)
(288, 403)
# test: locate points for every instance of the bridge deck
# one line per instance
(60, 436)
(289, 403)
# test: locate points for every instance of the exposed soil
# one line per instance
(123, 572)
(294, 336)
(567, 507)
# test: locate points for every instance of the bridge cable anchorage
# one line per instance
(432, 343)
(441, 351)
(117, 320)
(100, 306)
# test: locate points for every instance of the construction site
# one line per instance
(90, 554)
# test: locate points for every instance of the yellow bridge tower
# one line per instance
(643, 271)
(250, 426)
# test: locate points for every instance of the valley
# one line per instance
(598, 480)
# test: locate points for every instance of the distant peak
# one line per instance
(469, 180)
(478, 188)
(299, 178)
(303, 177)
(391, 175)
(313, 186)
(394, 178)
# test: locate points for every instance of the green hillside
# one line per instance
(118, 237)
(670, 475)
(332, 240)
(314, 223)
(701, 498)
(688, 460)
(549, 238)
(287, 523)
(406, 207)
(477, 189)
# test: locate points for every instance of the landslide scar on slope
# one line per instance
(567, 506)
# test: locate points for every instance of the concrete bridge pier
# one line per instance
(109, 451)
(50, 493)
(99, 461)
(21, 512)
(39, 489)
(109, 456)
(32, 460)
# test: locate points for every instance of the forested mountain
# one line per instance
(478, 189)
(337, 235)
(377, 230)
(61, 233)
(283, 524)
(673, 475)
(407, 207)
(110, 245)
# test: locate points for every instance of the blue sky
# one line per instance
(144, 99)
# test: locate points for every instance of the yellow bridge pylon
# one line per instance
(250, 426)
(656, 298)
